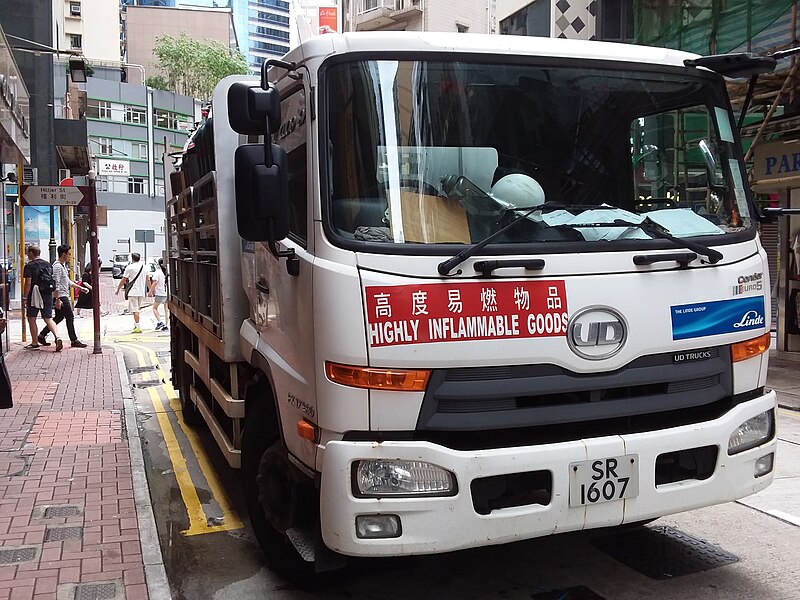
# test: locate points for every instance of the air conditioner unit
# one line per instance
(64, 174)
(75, 9)
(30, 175)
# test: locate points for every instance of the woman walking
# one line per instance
(158, 290)
(85, 298)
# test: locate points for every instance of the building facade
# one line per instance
(91, 27)
(263, 28)
(129, 129)
(145, 24)
(466, 16)
(607, 20)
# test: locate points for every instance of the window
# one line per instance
(136, 115)
(139, 150)
(160, 188)
(104, 109)
(76, 41)
(137, 185)
(102, 183)
(615, 21)
(461, 28)
(165, 119)
(101, 145)
(158, 152)
(75, 9)
(533, 20)
(292, 136)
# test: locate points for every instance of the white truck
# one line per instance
(433, 291)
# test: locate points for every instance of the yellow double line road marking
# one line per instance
(198, 520)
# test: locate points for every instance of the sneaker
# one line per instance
(137, 329)
(165, 328)
(59, 345)
(78, 344)
(160, 326)
(42, 341)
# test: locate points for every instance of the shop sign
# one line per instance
(113, 167)
(328, 19)
(776, 160)
(13, 105)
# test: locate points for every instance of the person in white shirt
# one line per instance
(63, 303)
(158, 291)
(135, 282)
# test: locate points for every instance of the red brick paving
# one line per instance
(64, 443)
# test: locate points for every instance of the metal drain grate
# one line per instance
(95, 591)
(65, 510)
(147, 383)
(144, 369)
(55, 533)
(663, 552)
(12, 556)
(580, 592)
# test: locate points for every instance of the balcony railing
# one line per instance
(376, 14)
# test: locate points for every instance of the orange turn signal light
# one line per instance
(399, 380)
(307, 431)
(750, 348)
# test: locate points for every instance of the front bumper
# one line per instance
(431, 525)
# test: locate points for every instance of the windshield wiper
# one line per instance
(448, 265)
(713, 255)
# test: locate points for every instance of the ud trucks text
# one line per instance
(432, 292)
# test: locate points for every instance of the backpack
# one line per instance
(44, 278)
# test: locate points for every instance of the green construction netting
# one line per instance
(704, 26)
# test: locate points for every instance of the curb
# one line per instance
(155, 573)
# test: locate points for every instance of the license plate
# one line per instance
(603, 480)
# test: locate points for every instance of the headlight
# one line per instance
(752, 433)
(388, 477)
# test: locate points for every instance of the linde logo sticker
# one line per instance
(419, 314)
(753, 282)
(714, 318)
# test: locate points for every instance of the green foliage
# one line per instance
(193, 68)
(158, 82)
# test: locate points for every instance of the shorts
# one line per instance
(135, 303)
(160, 299)
(46, 310)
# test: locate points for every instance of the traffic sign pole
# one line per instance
(95, 258)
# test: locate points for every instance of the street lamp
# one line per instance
(77, 70)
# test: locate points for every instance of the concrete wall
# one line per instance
(444, 15)
(146, 23)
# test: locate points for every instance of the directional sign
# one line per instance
(51, 195)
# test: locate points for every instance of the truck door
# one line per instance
(283, 307)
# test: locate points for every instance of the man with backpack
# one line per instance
(39, 289)
(63, 303)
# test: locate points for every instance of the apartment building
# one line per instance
(91, 27)
(465, 16)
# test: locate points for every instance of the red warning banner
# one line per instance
(419, 314)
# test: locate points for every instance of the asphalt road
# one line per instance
(747, 549)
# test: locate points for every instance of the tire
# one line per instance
(278, 497)
(183, 373)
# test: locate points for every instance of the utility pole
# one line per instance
(95, 258)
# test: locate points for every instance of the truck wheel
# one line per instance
(183, 374)
(279, 498)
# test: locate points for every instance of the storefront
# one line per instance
(776, 174)
(15, 151)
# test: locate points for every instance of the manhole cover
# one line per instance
(11, 556)
(55, 533)
(66, 510)
(144, 369)
(147, 383)
(663, 552)
(574, 593)
(95, 591)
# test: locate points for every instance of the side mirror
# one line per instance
(262, 193)
(251, 108)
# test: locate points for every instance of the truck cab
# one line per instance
(485, 288)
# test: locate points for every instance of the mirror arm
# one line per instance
(292, 262)
(751, 86)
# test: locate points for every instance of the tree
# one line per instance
(157, 82)
(193, 68)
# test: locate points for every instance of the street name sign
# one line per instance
(51, 195)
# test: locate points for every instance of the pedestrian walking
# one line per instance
(135, 288)
(158, 291)
(39, 291)
(63, 303)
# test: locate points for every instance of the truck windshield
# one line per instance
(424, 152)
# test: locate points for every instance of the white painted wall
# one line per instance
(443, 15)
(122, 224)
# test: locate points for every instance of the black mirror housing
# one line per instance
(250, 108)
(262, 194)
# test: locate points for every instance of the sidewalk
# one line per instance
(69, 526)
